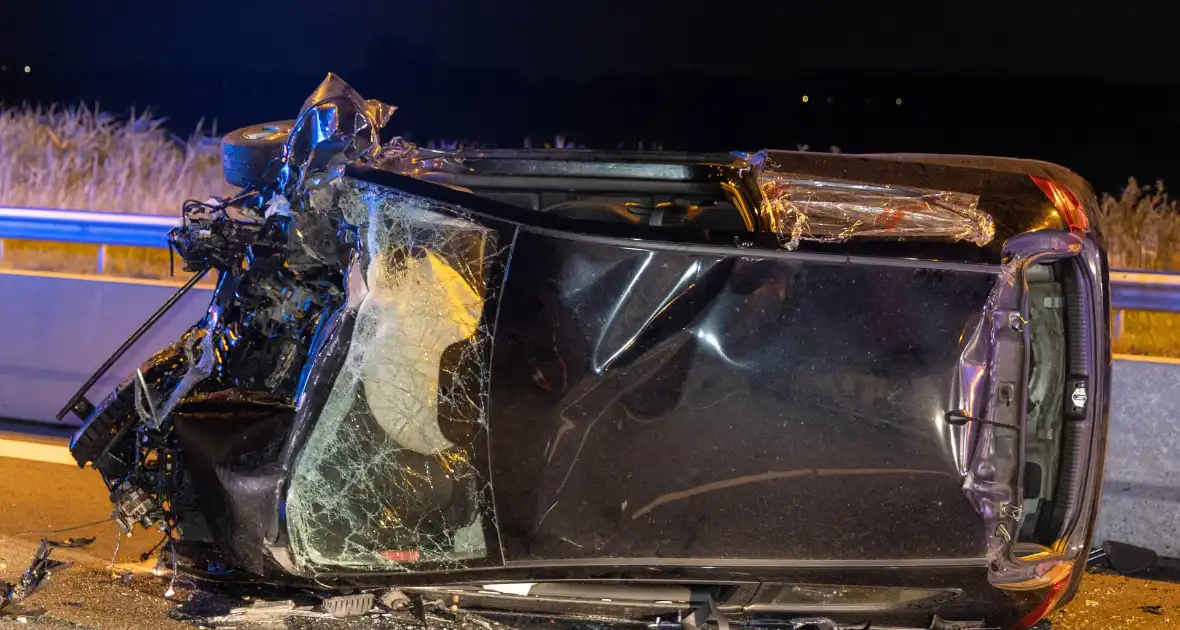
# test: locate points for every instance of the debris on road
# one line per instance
(39, 570)
(1124, 558)
(262, 610)
(71, 543)
(349, 605)
(394, 599)
(1153, 610)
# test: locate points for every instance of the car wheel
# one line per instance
(249, 155)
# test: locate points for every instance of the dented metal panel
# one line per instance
(677, 405)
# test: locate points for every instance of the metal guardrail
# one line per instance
(1145, 291)
(1130, 290)
(99, 228)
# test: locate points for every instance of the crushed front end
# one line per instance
(870, 389)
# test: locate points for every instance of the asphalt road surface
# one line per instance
(41, 491)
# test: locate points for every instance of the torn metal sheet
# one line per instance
(798, 208)
(334, 127)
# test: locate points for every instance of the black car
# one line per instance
(750, 388)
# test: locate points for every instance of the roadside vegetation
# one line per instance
(1142, 228)
(86, 159)
(81, 158)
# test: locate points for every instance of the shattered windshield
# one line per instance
(388, 477)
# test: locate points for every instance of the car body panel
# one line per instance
(672, 404)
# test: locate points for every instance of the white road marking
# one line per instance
(36, 452)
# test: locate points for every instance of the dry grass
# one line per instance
(80, 158)
(48, 256)
(1142, 228)
(1150, 334)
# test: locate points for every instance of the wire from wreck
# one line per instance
(66, 529)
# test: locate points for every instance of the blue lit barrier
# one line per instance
(1130, 290)
(1145, 291)
(100, 228)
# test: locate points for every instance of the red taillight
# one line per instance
(1056, 592)
(1065, 201)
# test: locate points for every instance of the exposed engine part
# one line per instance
(281, 269)
(133, 505)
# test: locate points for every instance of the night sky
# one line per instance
(1094, 88)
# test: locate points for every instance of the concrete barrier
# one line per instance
(1141, 488)
(57, 329)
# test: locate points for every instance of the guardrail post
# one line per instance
(102, 259)
(1118, 324)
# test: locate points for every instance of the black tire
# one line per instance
(249, 155)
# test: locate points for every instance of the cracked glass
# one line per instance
(388, 478)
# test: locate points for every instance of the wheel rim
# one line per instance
(268, 132)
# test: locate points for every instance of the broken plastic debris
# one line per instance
(265, 611)
(798, 208)
(278, 205)
(349, 605)
(394, 599)
(1128, 559)
(522, 588)
(39, 570)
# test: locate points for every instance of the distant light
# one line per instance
(806, 98)
(28, 69)
(3, 68)
(831, 99)
(897, 102)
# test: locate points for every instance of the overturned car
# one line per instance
(765, 388)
